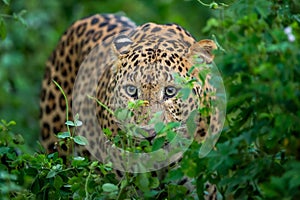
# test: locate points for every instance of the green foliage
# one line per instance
(40, 176)
(69, 138)
(15, 16)
(214, 5)
(258, 155)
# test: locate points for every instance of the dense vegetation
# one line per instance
(257, 155)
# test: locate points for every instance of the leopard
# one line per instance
(105, 61)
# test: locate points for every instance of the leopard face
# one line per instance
(148, 74)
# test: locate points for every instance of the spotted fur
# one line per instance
(133, 62)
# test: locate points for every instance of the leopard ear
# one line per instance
(122, 44)
(203, 50)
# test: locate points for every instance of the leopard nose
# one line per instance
(151, 137)
(151, 134)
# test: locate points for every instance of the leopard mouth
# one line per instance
(151, 133)
(139, 132)
(148, 132)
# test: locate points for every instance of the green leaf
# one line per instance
(108, 166)
(172, 125)
(94, 164)
(143, 181)
(178, 192)
(151, 194)
(55, 170)
(6, 2)
(79, 158)
(154, 182)
(136, 104)
(80, 140)
(18, 139)
(58, 182)
(190, 123)
(211, 24)
(10, 123)
(70, 123)
(109, 187)
(191, 70)
(156, 118)
(189, 168)
(76, 117)
(78, 123)
(5, 175)
(294, 182)
(19, 17)
(158, 143)
(51, 173)
(185, 92)
(63, 135)
(122, 114)
(35, 186)
(159, 126)
(4, 150)
(52, 155)
(116, 139)
(107, 132)
(170, 135)
(174, 175)
(203, 74)
(2, 29)
(79, 162)
(124, 183)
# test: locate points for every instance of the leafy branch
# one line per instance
(14, 16)
(214, 5)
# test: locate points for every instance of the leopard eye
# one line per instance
(170, 91)
(131, 90)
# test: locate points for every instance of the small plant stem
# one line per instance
(120, 192)
(67, 103)
(101, 104)
(7, 16)
(204, 4)
(86, 186)
(67, 118)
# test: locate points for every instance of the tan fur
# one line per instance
(151, 53)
